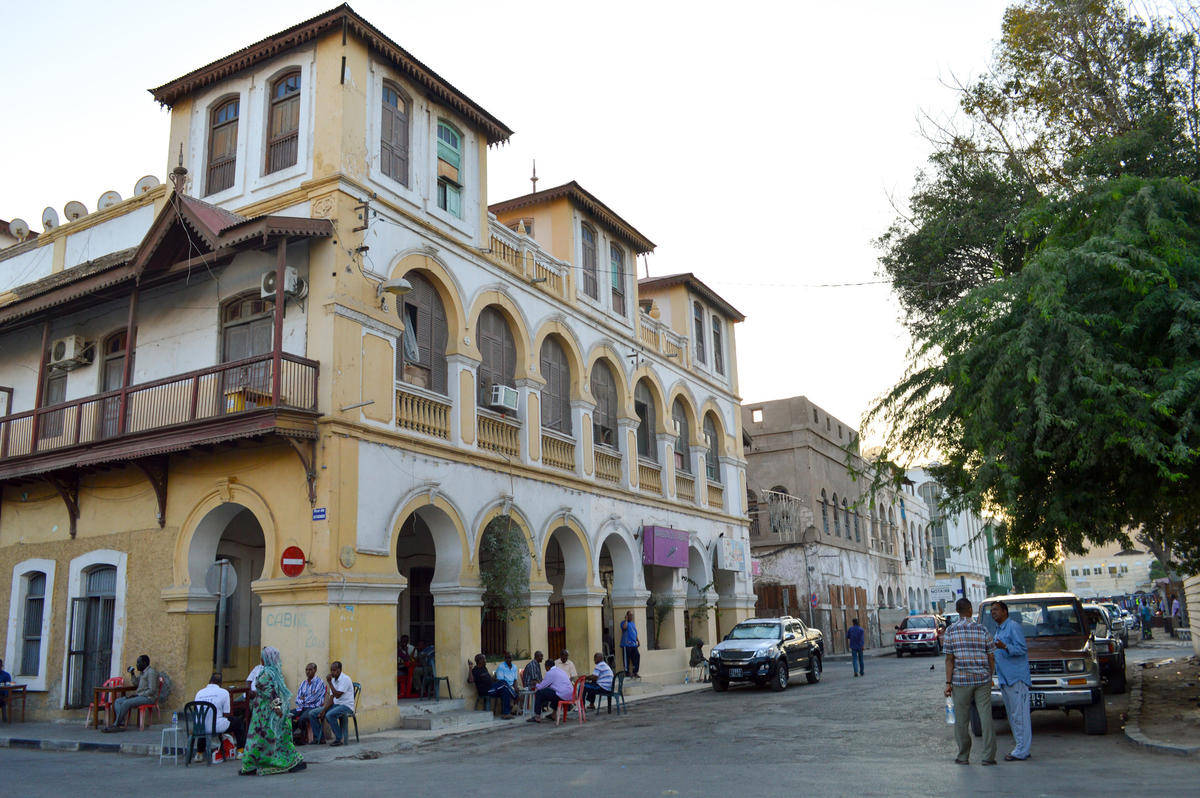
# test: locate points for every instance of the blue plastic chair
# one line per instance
(431, 678)
(618, 692)
(200, 719)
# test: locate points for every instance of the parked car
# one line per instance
(1063, 664)
(1109, 650)
(767, 651)
(1120, 626)
(919, 633)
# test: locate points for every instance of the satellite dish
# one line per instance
(75, 210)
(221, 579)
(19, 228)
(107, 200)
(49, 219)
(145, 184)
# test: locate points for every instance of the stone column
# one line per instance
(529, 633)
(457, 618)
(581, 427)
(731, 469)
(673, 634)
(627, 432)
(460, 390)
(198, 607)
(706, 628)
(529, 414)
(698, 472)
(666, 459)
(585, 627)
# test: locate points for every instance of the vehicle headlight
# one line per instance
(1076, 666)
(765, 651)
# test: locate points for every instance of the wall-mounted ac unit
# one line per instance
(504, 398)
(70, 353)
(294, 286)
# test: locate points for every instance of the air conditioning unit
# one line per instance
(294, 285)
(504, 398)
(70, 353)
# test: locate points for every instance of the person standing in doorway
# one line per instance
(855, 638)
(969, 666)
(629, 646)
(1012, 674)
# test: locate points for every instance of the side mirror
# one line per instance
(897, 628)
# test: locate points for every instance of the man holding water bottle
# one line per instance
(969, 666)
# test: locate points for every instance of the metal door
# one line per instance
(89, 655)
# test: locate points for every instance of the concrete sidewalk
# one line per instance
(882, 651)
(73, 737)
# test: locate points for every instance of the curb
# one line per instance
(1133, 726)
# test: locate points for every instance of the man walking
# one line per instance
(969, 666)
(629, 645)
(855, 636)
(1012, 673)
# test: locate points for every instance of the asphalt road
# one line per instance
(883, 734)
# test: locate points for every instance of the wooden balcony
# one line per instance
(231, 400)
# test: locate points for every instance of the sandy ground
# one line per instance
(1171, 700)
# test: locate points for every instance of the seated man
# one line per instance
(505, 686)
(564, 661)
(146, 680)
(480, 677)
(599, 681)
(555, 687)
(225, 721)
(310, 699)
(341, 688)
(532, 673)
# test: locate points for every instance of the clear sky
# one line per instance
(756, 143)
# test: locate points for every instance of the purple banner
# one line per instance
(664, 546)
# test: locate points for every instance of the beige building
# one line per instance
(1109, 570)
(856, 553)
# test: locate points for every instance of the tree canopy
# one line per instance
(1049, 270)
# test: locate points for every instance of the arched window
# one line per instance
(718, 350)
(712, 464)
(556, 396)
(837, 519)
(393, 133)
(604, 420)
(31, 639)
(683, 447)
(499, 353)
(846, 516)
(824, 512)
(421, 357)
(450, 171)
(857, 534)
(283, 124)
(698, 324)
(616, 265)
(591, 285)
(643, 406)
(222, 146)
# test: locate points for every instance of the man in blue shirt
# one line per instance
(629, 645)
(1012, 674)
(855, 637)
(505, 685)
(599, 682)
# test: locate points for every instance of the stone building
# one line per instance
(322, 351)
(826, 548)
(1108, 570)
(961, 543)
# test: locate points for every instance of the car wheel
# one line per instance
(976, 723)
(1095, 719)
(780, 680)
(814, 670)
(720, 685)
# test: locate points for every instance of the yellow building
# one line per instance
(322, 337)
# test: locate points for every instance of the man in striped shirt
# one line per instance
(969, 666)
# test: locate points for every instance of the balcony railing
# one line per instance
(716, 495)
(498, 434)
(558, 451)
(522, 256)
(649, 477)
(660, 337)
(685, 487)
(420, 412)
(225, 390)
(608, 464)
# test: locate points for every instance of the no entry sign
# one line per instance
(292, 561)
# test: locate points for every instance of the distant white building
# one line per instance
(1110, 570)
(959, 542)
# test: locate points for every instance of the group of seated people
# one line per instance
(414, 658)
(556, 684)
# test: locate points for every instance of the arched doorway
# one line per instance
(700, 616)
(617, 566)
(566, 562)
(890, 601)
(504, 567)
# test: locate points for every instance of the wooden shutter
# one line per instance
(604, 390)
(590, 283)
(556, 398)
(394, 130)
(431, 331)
(698, 314)
(644, 407)
(683, 450)
(713, 462)
(499, 352)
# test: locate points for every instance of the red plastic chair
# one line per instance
(576, 701)
(404, 688)
(146, 709)
(94, 711)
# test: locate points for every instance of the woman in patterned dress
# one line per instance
(269, 748)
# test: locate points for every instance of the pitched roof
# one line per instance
(342, 18)
(586, 200)
(694, 283)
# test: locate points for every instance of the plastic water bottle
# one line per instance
(174, 720)
(687, 677)
(949, 711)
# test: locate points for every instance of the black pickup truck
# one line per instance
(767, 651)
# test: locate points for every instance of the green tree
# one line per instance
(504, 564)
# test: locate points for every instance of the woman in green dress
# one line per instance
(269, 748)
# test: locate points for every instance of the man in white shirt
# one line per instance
(218, 696)
(341, 687)
(599, 682)
(564, 661)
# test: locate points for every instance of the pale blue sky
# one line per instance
(755, 143)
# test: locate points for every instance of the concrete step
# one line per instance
(409, 708)
(456, 720)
